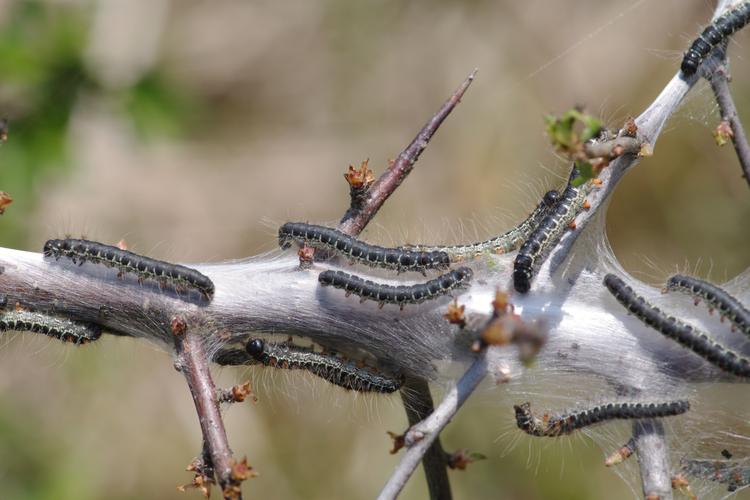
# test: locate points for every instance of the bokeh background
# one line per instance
(191, 129)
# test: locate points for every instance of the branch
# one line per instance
(356, 218)
(418, 404)
(649, 126)
(652, 451)
(420, 437)
(193, 363)
(720, 85)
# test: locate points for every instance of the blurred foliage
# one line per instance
(44, 76)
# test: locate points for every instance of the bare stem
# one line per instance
(193, 363)
(420, 437)
(356, 219)
(720, 84)
(418, 404)
(651, 448)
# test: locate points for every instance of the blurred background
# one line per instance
(191, 129)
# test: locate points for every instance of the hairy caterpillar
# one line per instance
(52, 326)
(558, 425)
(547, 233)
(329, 367)
(734, 473)
(401, 294)
(506, 242)
(180, 277)
(685, 335)
(371, 255)
(715, 297)
(714, 34)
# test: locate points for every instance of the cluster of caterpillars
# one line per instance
(179, 279)
(686, 335)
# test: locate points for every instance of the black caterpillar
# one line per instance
(683, 334)
(715, 298)
(558, 425)
(52, 326)
(401, 294)
(179, 277)
(547, 233)
(372, 255)
(714, 34)
(329, 367)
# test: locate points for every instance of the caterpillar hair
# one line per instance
(179, 277)
(400, 294)
(683, 334)
(372, 255)
(715, 298)
(331, 368)
(547, 233)
(714, 35)
(506, 242)
(52, 326)
(558, 425)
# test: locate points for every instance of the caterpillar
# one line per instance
(714, 34)
(715, 297)
(506, 242)
(401, 294)
(179, 277)
(359, 251)
(734, 473)
(52, 326)
(326, 366)
(683, 334)
(547, 233)
(558, 425)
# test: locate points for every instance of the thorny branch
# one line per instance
(193, 363)
(355, 220)
(366, 201)
(31, 281)
(720, 84)
(420, 437)
(418, 404)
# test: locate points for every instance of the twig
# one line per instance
(420, 437)
(418, 404)
(651, 448)
(649, 126)
(356, 219)
(720, 84)
(193, 363)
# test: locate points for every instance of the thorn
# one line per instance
(236, 394)
(122, 244)
(306, 256)
(359, 179)
(597, 182)
(242, 471)
(630, 129)
(455, 314)
(178, 326)
(5, 200)
(586, 204)
(399, 440)
(723, 133)
(572, 225)
(501, 305)
(621, 455)
(681, 484)
(462, 458)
